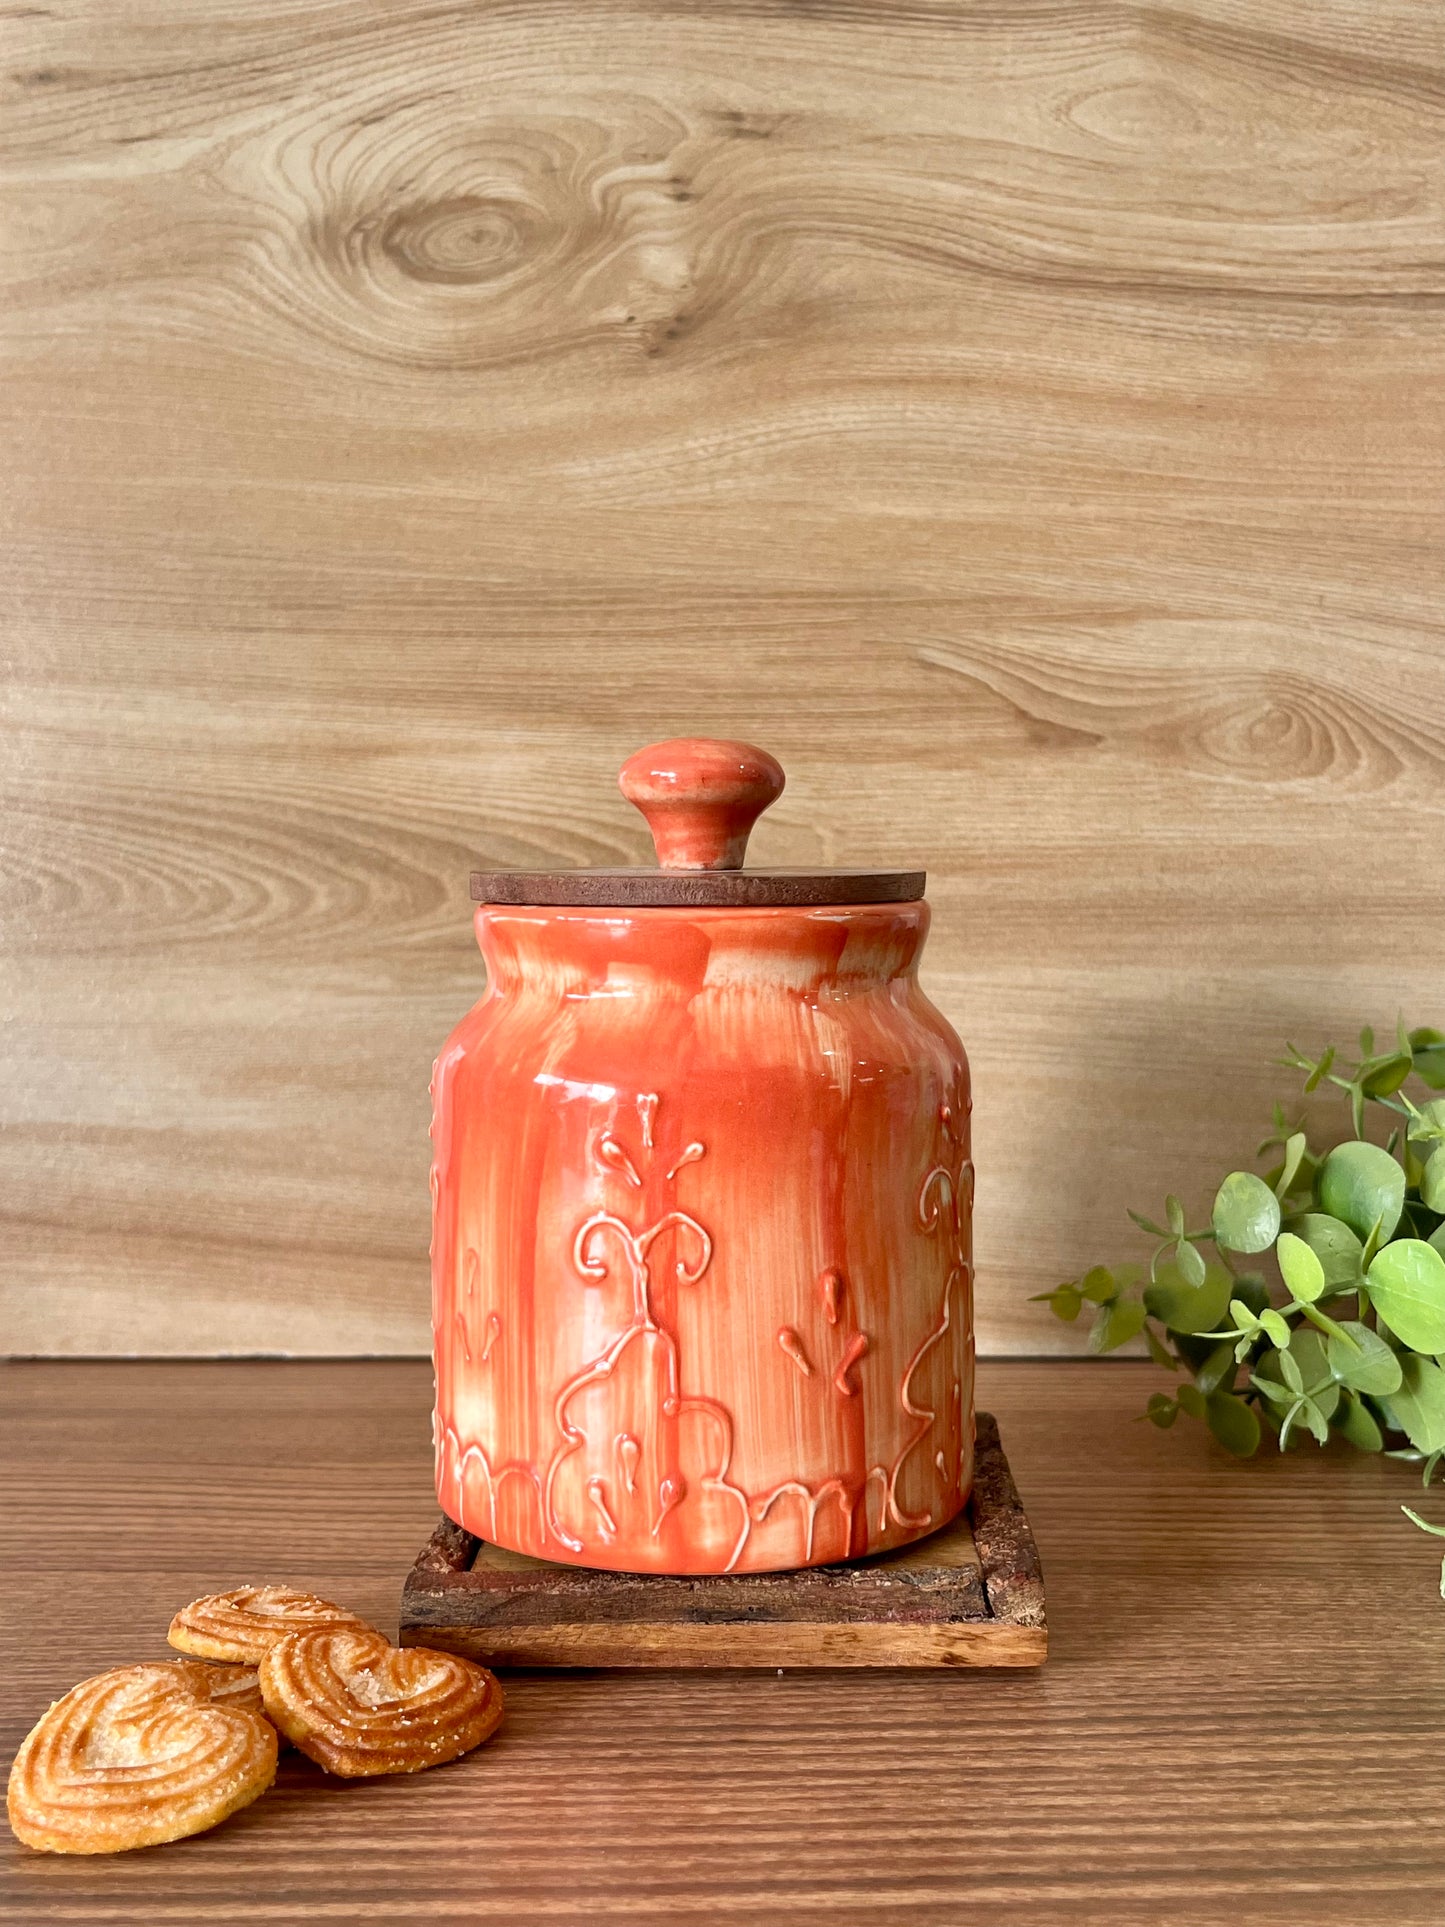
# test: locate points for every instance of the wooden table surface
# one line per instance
(1241, 1720)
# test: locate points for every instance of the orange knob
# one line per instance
(701, 798)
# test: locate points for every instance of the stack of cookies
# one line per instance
(151, 1753)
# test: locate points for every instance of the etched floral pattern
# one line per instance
(634, 1445)
(939, 1370)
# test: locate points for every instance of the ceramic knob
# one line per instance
(701, 798)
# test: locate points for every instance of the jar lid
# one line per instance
(701, 798)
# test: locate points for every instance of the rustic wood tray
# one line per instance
(969, 1595)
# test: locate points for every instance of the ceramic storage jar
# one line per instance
(702, 1193)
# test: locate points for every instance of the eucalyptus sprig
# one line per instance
(1321, 1308)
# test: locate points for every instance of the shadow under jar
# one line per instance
(702, 1255)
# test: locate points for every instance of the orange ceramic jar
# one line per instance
(701, 1257)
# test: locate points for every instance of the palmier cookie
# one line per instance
(242, 1626)
(358, 1705)
(233, 1686)
(137, 1756)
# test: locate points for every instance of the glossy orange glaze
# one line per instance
(702, 1259)
(701, 797)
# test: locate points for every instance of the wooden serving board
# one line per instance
(969, 1595)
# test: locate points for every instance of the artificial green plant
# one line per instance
(1322, 1306)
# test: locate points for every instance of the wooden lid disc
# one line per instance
(696, 889)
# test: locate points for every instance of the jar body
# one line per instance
(702, 1279)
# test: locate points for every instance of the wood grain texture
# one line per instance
(1232, 1648)
(1024, 420)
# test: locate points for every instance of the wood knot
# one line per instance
(463, 241)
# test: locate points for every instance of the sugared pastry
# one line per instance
(231, 1685)
(242, 1626)
(138, 1756)
(358, 1705)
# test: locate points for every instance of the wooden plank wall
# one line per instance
(1022, 416)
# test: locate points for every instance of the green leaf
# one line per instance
(1321, 1070)
(1272, 1389)
(1428, 1123)
(1384, 1075)
(1189, 1308)
(1372, 1244)
(1432, 1184)
(1161, 1410)
(1303, 1274)
(1290, 1372)
(1360, 1183)
(1333, 1243)
(1367, 1040)
(1233, 1423)
(1064, 1301)
(1277, 1327)
(1307, 1349)
(1407, 1288)
(1246, 1213)
(1148, 1224)
(1098, 1285)
(1116, 1323)
(1191, 1400)
(1189, 1263)
(1314, 1417)
(1294, 1150)
(1419, 1405)
(1371, 1367)
(1355, 1422)
(1428, 1048)
(1216, 1368)
(1174, 1215)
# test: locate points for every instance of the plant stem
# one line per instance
(1317, 1317)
